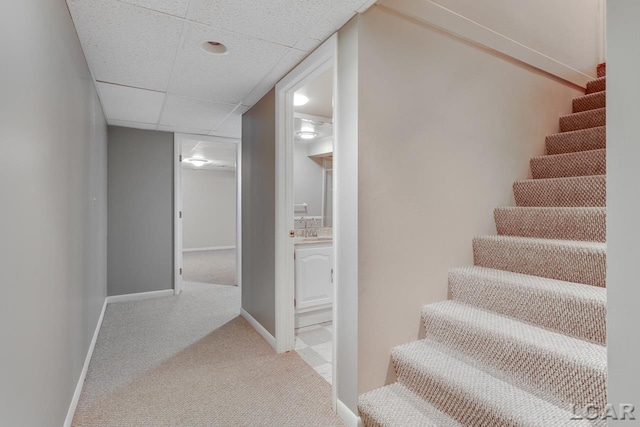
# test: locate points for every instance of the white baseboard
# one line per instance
(210, 248)
(140, 296)
(258, 327)
(83, 374)
(347, 415)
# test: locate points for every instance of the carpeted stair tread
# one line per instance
(601, 69)
(568, 191)
(468, 392)
(564, 223)
(567, 260)
(518, 350)
(582, 163)
(395, 405)
(590, 102)
(577, 140)
(583, 120)
(573, 309)
(597, 85)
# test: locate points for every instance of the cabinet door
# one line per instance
(314, 285)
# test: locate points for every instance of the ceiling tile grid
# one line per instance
(151, 71)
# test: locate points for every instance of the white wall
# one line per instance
(345, 170)
(560, 37)
(445, 127)
(623, 204)
(208, 208)
(541, 25)
(53, 178)
(307, 177)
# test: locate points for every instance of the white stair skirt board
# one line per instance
(141, 295)
(211, 248)
(259, 328)
(76, 394)
(313, 317)
(350, 418)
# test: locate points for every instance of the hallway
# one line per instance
(191, 360)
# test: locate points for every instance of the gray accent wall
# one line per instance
(623, 207)
(140, 211)
(258, 211)
(53, 177)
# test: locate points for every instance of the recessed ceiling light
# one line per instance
(299, 99)
(307, 134)
(216, 48)
(197, 162)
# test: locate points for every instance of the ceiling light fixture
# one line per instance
(216, 48)
(306, 134)
(197, 162)
(299, 99)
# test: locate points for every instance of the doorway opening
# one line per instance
(305, 242)
(313, 214)
(208, 210)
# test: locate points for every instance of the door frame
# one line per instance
(177, 204)
(323, 58)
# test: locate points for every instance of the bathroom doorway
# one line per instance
(313, 214)
(305, 250)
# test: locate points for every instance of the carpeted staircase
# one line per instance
(522, 341)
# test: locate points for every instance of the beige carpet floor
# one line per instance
(192, 361)
(215, 267)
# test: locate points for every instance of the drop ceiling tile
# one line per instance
(225, 78)
(307, 44)
(171, 7)
(126, 44)
(334, 19)
(182, 129)
(135, 125)
(286, 64)
(232, 125)
(130, 104)
(191, 113)
(278, 21)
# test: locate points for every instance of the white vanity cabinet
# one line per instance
(314, 276)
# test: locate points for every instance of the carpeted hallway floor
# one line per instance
(216, 267)
(192, 361)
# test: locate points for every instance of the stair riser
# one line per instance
(590, 102)
(598, 85)
(578, 224)
(580, 384)
(585, 163)
(584, 191)
(588, 139)
(581, 318)
(584, 120)
(577, 265)
(601, 70)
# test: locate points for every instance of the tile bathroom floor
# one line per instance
(314, 344)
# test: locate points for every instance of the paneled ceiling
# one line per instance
(151, 71)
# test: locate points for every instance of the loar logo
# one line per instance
(608, 412)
